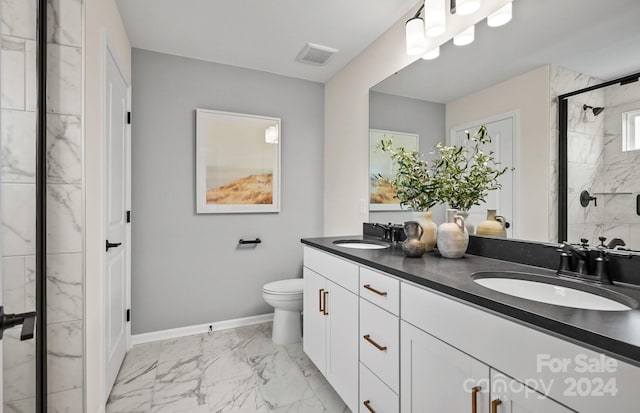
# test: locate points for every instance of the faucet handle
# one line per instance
(602, 240)
(584, 243)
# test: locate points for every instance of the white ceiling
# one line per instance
(265, 35)
(600, 38)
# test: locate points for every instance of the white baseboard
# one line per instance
(199, 329)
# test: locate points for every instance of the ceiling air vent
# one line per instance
(315, 54)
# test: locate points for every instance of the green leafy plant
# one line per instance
(461, 176)
(413, 180)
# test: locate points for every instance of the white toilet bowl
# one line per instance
(285, 297)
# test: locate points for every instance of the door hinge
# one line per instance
(128, 118)
(128, 314)
(128, 216)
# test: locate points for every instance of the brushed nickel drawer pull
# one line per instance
(474, 399)
(370, 288)
(367, 404)
(325, 309)
(320, 300)
(494, 405)
(376, 345)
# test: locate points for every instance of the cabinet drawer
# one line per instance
(379, 343)
(376, 394)
(380, 289)
(339, 271)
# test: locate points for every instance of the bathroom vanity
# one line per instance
(395, 334)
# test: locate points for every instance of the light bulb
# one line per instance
(465, 7)
(432, 54)
(501, 17)
(415, 36)
(435, 17)
(466, 37)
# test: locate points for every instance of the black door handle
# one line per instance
(28, 321)
(113, 244)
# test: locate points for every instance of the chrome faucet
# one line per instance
(392, 233)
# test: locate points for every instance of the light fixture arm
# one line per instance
(417, 15)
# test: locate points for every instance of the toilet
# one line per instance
(285, 296)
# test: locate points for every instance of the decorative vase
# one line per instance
(413, 247)
(470, 228)
(453, 237)
(494, 225)
(430, 229)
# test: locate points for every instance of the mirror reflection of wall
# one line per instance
(604, 160)
(548, 49)
(398, 113)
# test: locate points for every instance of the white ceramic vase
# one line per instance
(429, 228)
(453, 237)
(470, 228)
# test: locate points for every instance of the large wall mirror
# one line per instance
(509, 79)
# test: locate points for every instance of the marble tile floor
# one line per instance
(236, 370)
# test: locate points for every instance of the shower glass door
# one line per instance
(18, 241)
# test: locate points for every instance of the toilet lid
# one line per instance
(292, 286)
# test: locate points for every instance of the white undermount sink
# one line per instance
(538, 289)
(360, 244)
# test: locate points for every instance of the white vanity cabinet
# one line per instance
(436, 377)
(388, 346)
(331, 321)
(379, 342)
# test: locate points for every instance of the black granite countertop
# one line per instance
(616, 333)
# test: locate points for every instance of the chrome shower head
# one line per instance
(596, 111)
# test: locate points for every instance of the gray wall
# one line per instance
(187, 268)
(402, 114)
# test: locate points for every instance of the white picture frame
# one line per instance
(237, 170)
(380, 163)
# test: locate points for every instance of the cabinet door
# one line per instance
(342, 362)
(515, 397)
(436, 377)
(314, 320)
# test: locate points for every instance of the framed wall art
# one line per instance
(237, 163)
(381, 192)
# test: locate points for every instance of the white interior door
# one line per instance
(503, 130)
(116, 185)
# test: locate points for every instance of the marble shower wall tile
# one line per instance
(585, 148)
(620, 95)
(18, 219)
(31, 89)
(64, 218)
(20, 406)
(64, 149)
(13, 69)
(19, 366)
(64, 287)
(70, 401)
(65, 361)
(622, 177)
(18, 146)
(13, 284)
(18, 17)
(64, 86)
(65, 22)
(621, 208)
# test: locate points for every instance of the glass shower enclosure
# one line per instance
(23, 176)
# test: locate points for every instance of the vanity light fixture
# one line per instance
(466, 37)
(435, 17)
(415, 35)
(432, 54)
(501, 16)
(466, 7)
(271, 134)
